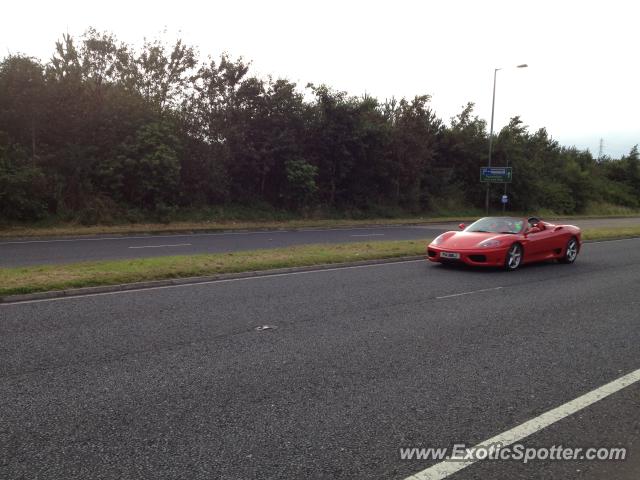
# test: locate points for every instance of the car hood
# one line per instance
(466, 240)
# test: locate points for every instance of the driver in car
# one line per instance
(535, 225)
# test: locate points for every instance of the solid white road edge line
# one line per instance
(468, 293)
(448, 467)
(208, 282)
(161, 246)
(590, 242)
(368, 235)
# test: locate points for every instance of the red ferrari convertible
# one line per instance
(507, 242)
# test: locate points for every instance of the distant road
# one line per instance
(24, 252)
(69, 250)
(178, 383)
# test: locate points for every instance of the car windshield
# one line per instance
(497, 225)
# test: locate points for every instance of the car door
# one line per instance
(541, 244)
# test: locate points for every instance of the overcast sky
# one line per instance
(582, 83)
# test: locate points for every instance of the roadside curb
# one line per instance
(78, 292)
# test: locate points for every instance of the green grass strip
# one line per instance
(19, 280)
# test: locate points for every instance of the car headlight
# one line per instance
(438, 240)
(490, 243)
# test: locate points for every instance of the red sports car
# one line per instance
(507, 242)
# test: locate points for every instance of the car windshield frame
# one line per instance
(483, 225)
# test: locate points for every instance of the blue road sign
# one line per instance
(495, 174)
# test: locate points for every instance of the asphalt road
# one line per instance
(176, 382)
(69, 250)
(23, 252)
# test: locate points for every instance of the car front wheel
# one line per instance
(514, 257)
(570, 252)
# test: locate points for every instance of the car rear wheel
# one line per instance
(514, 257)
(570, 252)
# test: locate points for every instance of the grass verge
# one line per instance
(22, 280)
(610, 233)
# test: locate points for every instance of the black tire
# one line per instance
(570, 251)
(514, 257)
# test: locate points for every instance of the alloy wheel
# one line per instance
(514, 256)
(572, 250)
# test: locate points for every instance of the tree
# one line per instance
(414, 144)
(146, 170)
(21, 184)
(301, 183)
(463, 151)
(23, 88)
(633, 170)
(163, 77)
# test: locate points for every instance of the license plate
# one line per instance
(450, 255)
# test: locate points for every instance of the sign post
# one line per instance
(502, 175)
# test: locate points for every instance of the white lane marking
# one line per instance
(469, 293)
(208, 282)
(162, 246)
(448, 467)
(215, 234)
(368, 235)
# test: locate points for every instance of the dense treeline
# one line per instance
(103, 129)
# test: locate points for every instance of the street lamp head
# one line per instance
(524, 65)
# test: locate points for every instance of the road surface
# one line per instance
(359, 362)
(23, 252)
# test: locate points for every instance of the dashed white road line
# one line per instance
(210, 234)
(449, 467)
(469, 293)
(162, 246)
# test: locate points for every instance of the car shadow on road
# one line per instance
(463, 267)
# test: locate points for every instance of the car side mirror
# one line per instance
(462, 226)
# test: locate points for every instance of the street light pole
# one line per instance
(493, 105)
